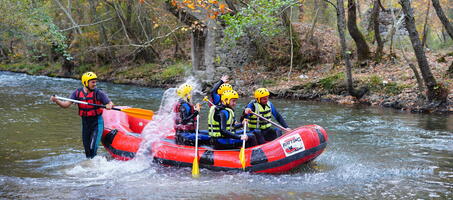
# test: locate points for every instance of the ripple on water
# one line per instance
(372, 154)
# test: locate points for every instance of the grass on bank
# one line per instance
(29, 68)
(150, 73)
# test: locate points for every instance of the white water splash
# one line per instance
(99, 169)
(163, 120)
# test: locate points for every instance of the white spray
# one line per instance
(163, 120)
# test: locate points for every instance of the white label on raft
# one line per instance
(292, 144)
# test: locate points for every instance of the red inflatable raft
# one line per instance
(122, 138)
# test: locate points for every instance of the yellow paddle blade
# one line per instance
(139, 113)
(195, 169)
(242, 158)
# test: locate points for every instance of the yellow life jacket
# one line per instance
(255, 121)
(214, 126)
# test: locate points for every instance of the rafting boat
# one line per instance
(122, 138)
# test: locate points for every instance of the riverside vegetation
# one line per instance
(295, 48)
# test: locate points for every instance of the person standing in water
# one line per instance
(92, 122)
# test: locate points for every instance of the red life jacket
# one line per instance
(190, 126)
(87, 110)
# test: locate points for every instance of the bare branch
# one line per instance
(69, 16)
(141, 24)
(143, 45)
(83, 25)
(148, 43)
(328, 1)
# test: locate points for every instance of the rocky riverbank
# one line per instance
(389, 83)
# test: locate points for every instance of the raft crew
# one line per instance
(185, 114)
(92, 122)
(221, 124)
(218, 89)
(261, 105)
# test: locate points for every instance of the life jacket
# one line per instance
(91, 97)
(255, 121)
(214, 126)
(179, 126)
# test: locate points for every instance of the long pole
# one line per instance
(273, 123)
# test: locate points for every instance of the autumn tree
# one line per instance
(443, 18)
(375, 21)
(363, 51)
(233, 25)
(339, 7)
(31, 22)
(435, 92)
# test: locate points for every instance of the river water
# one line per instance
(372, 153)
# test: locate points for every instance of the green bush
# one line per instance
(329, 82)
(394, 88)
(374, 82)
(139, 71)
(23, 67)
(174, 71)
(35, 69)
(268, 82)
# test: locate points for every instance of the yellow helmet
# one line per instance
(228, 95)
(184, 91)
(261, 92)
(87, 77)
(224, 87)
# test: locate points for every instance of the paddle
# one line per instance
(207, 100)
(134, 112)
(242, 152)
(273, 123)
(195, 169)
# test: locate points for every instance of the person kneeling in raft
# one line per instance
(221, 124)
(262, 129)
(185, 114)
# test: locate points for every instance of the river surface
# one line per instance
(372, 153)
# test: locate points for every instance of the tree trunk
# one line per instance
(102, 57)
(450, 70)
(363, 51)
(443, 18)
(421, 88)
(344, 48)
(377, 33)
(425, 27)
(67, 67)
(323, 13)
(433, 90)
(4, 54)
(198, 44)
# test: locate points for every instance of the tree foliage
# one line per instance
(31, 22)
(260, 19)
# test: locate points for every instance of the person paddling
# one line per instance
(221, 124)
(92, 121)
(185, 114)
(262, 106)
